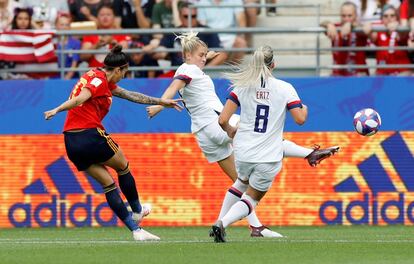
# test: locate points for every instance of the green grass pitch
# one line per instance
(336, 244)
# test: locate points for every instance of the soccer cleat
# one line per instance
(318, 154)
(142, 235)
(146, 210)
(263, 231)
(219, 233)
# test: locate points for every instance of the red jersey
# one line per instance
(97, 59)
(90, 113)
(391, 56)
(349, 57)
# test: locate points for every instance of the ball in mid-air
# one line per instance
(367, 122)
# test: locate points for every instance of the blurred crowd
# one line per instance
(130, 14)
(20, 15)
(378, 22)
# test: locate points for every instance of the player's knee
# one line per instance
(244, 182)
(109, 187)
(249, 201)
(124, 169)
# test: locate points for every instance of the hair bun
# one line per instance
(116, 49)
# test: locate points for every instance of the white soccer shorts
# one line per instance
(214, 142)
(259, 175)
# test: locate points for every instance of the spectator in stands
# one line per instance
(407, 17)
(271, 11)
(252, 13)
(87, 10)
(69, 43)
(22, 18)
(45, 12)
(251, 18)
(106, 20)
(142, 59)
(370, 10)
(390, 38)
(347, 38)
(220, 17)
(134, 13)
(170, 41)
(23, 21)
(6, 13)
(162, 15)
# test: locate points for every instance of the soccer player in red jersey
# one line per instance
(390, 38)
(91, 149)
(347, 38)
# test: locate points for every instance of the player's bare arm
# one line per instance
(145, 99)
(171, 91)
(299, 114)
(84, 95)
(229, 109)
(135, 96)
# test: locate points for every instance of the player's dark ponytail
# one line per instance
(116, 58)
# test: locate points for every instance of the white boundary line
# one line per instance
(266, 240)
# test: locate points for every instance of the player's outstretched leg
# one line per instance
(318, 154)
(313, 155)
(115, 202)
(118, 206)
(129, 189)
(291, 149)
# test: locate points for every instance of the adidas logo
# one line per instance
(378, 182)
(82, 210)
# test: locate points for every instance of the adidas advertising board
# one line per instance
(370, 181)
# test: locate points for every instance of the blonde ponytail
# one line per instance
(252, 70)
(190, 42)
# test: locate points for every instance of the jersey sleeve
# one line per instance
(234, 96)
(112, 86)
(187, 73)
(293, 100)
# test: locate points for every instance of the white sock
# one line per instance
(291, 149)
(253, 219)
(239, 210)
(232, 196)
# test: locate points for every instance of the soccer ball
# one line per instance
(367, 122)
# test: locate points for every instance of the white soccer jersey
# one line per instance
(262, 118)
(199, 96)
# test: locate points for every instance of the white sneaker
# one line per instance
(263, 231)
(146, 210)
(269, 233)
(142, 235)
